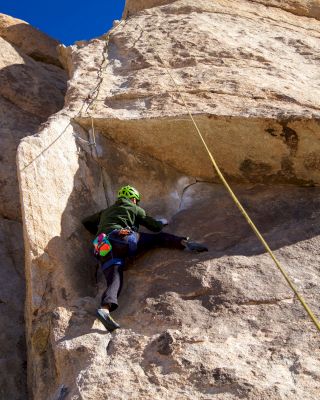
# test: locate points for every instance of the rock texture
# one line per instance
(30, 91)
(134, 6)
(29, 40)
(221, 325)
(243, 69)
(305, 8)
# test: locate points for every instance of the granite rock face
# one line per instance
(221, 325)
(243, 69)
(30, 91)
(305, 8)
(29, 40)
(134, 6)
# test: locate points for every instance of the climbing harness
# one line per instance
(121, 242)
(236, 200)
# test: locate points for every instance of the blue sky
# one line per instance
(66, 20)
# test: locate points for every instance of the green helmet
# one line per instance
(128, 192)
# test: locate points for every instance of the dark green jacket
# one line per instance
(122, 214)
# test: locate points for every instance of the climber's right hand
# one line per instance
(164, 221)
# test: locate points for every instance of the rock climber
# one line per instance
(117, 240)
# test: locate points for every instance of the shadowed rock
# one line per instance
(30, 91)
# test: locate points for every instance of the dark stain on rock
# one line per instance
(55, 315)
(62, 392)
(82, 349)
(110, 348)
(214, 302)
(287, 168)
(271, 131)
(64, 294)
(287, 174)
(312, 161)
(262, 172)
(224, 375)
(291, 139)
(283, 97)
(255, 171)
(165, 342)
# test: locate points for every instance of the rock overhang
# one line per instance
(247, 149)
(243, 76)
(29, 40)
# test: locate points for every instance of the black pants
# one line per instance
(114, 278)
(114, 273)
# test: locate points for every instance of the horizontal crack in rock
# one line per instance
(260, 302)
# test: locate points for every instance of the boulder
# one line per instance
(29, 40)
(30, 91)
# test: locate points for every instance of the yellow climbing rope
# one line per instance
(239, 205)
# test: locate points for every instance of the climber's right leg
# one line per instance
(109, 299)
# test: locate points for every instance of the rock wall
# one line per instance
(243, 69)
(134, 6)
(30, 90)
(29, 40)
(220, 325)
(305, 8)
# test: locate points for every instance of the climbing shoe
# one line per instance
(194, 246)
(109, 323)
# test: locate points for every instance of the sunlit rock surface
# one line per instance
(30, 40)
(249, 73)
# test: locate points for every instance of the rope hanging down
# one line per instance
(237, 202)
